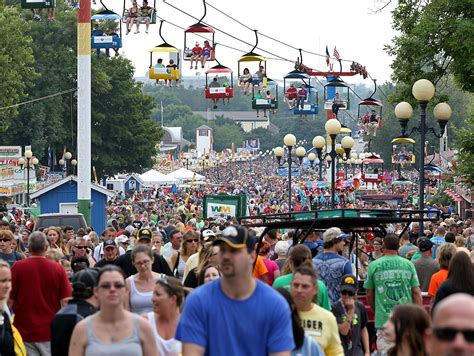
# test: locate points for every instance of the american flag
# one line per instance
(336, 54)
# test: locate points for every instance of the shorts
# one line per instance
(256, 81)
(143, 18)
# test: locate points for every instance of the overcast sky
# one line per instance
(350, 25)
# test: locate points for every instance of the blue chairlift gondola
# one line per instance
(310, 106)
(106, 41)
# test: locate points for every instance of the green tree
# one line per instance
(465, 146)
(17, 71)
(124, 135)
(436, 37)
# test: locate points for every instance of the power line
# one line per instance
(39, 99)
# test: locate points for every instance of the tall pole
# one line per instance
(333, 156)
(289, 178)
(84, 109)
(28, 182)
(320, 169)
(421, 200)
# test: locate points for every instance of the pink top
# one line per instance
(271, 267)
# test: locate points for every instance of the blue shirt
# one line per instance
(309, 348)
(438, 241)
(258, 325)
(331, 267)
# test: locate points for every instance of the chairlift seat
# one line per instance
(106, 42)
(38, 4)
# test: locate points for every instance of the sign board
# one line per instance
(10, 152)
(224, 205)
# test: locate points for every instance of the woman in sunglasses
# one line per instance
(189, 246)
(112, 330)
(351, 319)
(81, 248)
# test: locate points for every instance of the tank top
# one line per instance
(140, 302)
(129, 346)
(181, 267)
(170, 347)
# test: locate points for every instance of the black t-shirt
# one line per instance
(64, 322)
(358, 323)
(445, 290)
(191, 280)
(159, 265)
(103, 262)
(6, 337)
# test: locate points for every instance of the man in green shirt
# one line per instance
(391, 280)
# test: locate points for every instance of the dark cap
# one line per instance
(137, 224)
(86, 278)
(424, 244)
(144, 234)
(237, 236)
(108, 243)
(348, 283)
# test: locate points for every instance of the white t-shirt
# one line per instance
(98, 253)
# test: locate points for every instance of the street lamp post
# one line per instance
(63, 162)
(423, 91)
(27, 162)
(290, 141)
(333, 128)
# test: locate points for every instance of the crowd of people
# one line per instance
(169, 283)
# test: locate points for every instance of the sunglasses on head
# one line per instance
(449, 334)
(348, 292)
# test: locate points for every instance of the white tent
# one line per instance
(184, 174)
(153, 177)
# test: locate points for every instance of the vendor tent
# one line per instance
(184, 174)
(153, 177)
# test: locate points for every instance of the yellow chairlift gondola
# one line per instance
(403, 151)
(259, 78)
(159, 70)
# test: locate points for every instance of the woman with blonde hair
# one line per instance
(56, 239)
(189, 246)
(168, 298)
(207, 255)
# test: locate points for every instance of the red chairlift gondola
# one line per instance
(371, 120)
(219, 90)
(200, 28)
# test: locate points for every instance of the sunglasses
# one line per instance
(347, 292)
(109, 286)
(125, 243)
(449, 334)
(82, 247)
(192, 240)
(5, 240)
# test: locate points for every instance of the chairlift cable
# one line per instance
(39, 99)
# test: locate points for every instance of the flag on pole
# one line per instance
(336, 54)
(327, 55)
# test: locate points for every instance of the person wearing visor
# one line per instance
(351, 319)
(257, 317)
(330, 265)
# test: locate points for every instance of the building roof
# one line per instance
(134, 176)
(204, 127)
(71, 178)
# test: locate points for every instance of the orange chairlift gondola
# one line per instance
(216, 89)
(369, 114)
(207, 52)
(161, 71)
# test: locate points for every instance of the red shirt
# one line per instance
(291, 93)
(38, 286)
(197, 50)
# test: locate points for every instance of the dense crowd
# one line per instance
(162, 280)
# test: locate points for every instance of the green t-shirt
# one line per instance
(154, 218)
(392, 279)
(323, 299)
(416, 256)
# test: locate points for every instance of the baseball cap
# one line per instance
(108, 243)
(342, 236)
(122, 239)
(144, 234)
(424, 244)
(348, 283)
(208, 234)
(86, 278)
(237, 237)
(137, 224)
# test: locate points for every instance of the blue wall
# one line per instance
(67, 193)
